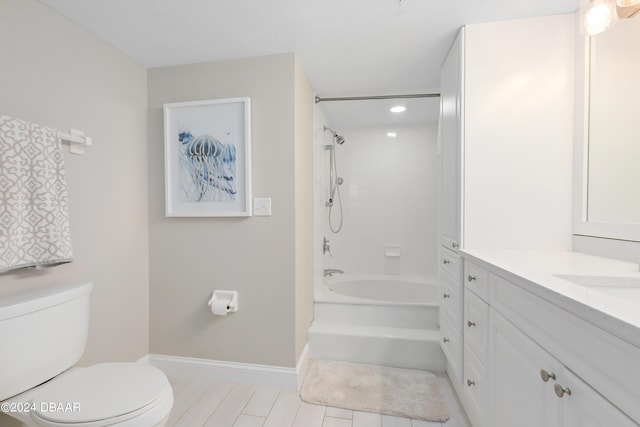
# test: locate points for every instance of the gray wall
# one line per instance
(190, 257)
(54, 73)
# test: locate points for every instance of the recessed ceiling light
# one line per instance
(398, 109)
(392, 134)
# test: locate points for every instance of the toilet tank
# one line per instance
(43, 331)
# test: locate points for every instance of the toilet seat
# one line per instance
(102, 394)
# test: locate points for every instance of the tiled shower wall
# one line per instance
(389, 198)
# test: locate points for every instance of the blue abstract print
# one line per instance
(207, 169)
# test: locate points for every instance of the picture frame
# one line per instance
(207, 149)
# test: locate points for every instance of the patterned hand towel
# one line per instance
(34, 217)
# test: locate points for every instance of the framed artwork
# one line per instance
(207, 154)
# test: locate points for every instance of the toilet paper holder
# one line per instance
(230, 296)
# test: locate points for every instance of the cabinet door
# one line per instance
(476, 325)
(518, 396)
(584, 407)
(450, 140)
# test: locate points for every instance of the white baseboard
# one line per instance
(232, 372)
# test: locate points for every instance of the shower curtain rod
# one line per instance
(365, 98)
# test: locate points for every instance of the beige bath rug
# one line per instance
(380, 389)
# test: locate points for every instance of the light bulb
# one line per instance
(600, 15)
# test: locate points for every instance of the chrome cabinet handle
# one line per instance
(470, 383)
(454, 245)
(446, 261)
(471, 278)
(546, 376)
(445, 340)
(470, 323)
(560, 392)
(446, 296)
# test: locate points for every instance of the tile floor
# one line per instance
(219, 404)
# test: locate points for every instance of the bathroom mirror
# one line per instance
(609, 158)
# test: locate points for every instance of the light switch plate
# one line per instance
(262, 206)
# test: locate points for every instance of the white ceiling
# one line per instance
(347, 47)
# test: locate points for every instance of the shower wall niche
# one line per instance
(389, 197)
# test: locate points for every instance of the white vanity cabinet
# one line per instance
(544, 366)
(530, 388)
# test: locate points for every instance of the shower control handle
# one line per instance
(326, 247)
(446, 296)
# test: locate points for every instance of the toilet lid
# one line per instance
(99, 392)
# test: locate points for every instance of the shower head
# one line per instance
(338, 138)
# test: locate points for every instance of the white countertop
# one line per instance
(614, 309)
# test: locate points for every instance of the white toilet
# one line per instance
(43, 333)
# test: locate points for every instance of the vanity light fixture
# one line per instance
(398, 109)
(628, 8)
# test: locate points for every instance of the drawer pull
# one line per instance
(560, 392)
(470, 383)
(446, 261)
(454, 245)
(446, 296)
(470, 323)
(546, 376)
(445, 340)
(471, 278)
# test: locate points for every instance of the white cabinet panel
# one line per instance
(451, 344)
(450, 144)
(518, 133)
(476, 325)
(518, 395)
(451, 300)
(451, 263)
(584, 407)
(476, 387)
(476, 279)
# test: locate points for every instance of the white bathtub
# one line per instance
(378, 289)
(389, 289)
(377, 319)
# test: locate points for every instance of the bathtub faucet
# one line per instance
(331, 271)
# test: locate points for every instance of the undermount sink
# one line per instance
(601, 281)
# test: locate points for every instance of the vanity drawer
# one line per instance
(476, 325)
(450, 262)
(451, 344)
(476, 387)
(451, 299)
(476, 279)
